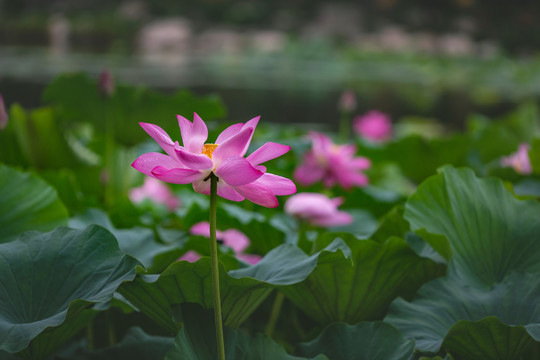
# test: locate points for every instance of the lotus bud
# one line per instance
(106, 83)
(3, 114)
(347, 101)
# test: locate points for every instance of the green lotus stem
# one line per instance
(215, 269)
(109, 163)
(31, 350)
(90, 334)
(304, 243)
(276, 309)
(110, 329)
(344, 126)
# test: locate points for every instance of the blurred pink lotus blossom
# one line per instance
(156, 191)
(232, 238)
(333, 164)
(239, 178)
(191, 256)
(347, 101)
(519, 160)
(3, 114)
(375, 126)
(317, 209)
(251, 259)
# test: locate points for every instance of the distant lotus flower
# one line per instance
(239, 178)
(374, 126)
(333, 164)
(190, 256)
(3, 114)
(251, 259)
(317, 209)
(235, 239)
(106, 84)
(347, 101)
(519, 160)
(156, 191)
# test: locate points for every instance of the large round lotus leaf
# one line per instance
(44, 274)
(138, 242)
(456, 317)
(363, 341)
(197, 341)
(393, 224)
(27, 203)
(241, 290)
(362, 286)
(485, 230)
(53, 338)
(135, 345)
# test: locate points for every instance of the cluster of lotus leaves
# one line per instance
(456, 274)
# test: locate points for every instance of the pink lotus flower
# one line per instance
(374, 126)
(239, 178)
(190, 256)
(347, 101)
(156, 191)
(519, 160)
(232, 238)
(3, 114)
(331, 163)
(317, 209)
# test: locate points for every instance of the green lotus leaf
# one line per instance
(241, 290)
(182, 282)
(7, 356)
(363, 341)
(13, 153)
(393, 224)
(487, 339)
(461, 319)
(434, 153)
(136, 344)
(40, 141)
(138, 242)
(477, 223)
(27, 203)
(534, 155)
(497, 138)
(52, 339)
(361, 286)
(197, 341)
(287, 264)
(50, 277)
